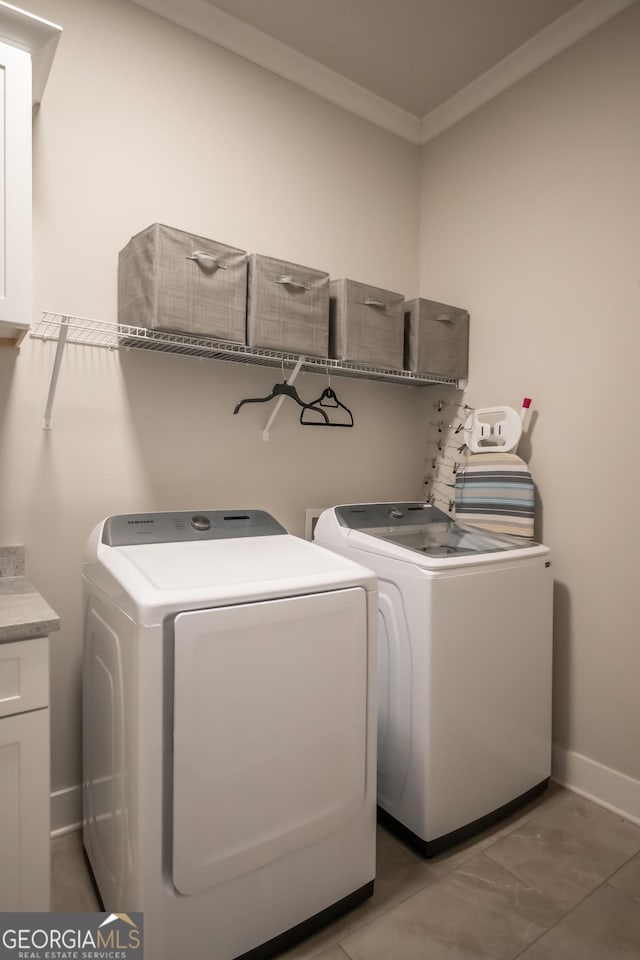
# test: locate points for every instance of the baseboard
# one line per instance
(609, 788)
(66, 810)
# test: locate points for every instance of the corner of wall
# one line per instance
(607, 787)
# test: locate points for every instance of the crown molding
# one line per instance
(558, 36)
(36, 36)
(215, 25)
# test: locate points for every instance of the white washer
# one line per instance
(465, 651)
(229, 730)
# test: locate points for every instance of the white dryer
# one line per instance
(228, 730)
(465, 652)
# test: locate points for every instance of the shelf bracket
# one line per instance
(280, 400)
(57, 361)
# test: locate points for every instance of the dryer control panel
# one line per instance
(186, 526)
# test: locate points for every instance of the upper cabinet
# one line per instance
(27, 47)
(15, 193)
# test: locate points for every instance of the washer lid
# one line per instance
(424, 529)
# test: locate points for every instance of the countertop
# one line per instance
(24, 613)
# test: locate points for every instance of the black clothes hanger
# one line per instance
(287, 390)
(327, 398)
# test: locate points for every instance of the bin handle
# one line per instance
(207, 259)
(294, 282)
(369, 302)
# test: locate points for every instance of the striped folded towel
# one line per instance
(495, 491)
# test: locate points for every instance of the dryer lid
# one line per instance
(150, 580)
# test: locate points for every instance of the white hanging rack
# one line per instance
(280, 400)
(65, 329)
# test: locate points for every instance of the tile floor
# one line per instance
(558, 881)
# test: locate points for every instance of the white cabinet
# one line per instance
(27, 45)
(24, 775)
(15, 192)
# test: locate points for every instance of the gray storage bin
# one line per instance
(179, 282)
(287, 307)
(367, 324)
(437, 338)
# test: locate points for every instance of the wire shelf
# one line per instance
(110, 335)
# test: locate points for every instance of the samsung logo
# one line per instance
(139, 521)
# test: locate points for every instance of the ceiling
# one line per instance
(413, 53)
(412, 66)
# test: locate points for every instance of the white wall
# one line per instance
(528, 216)
(143, 122)
(529, 211)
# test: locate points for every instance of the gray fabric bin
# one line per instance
(182, 283)
(367, 324)
(287, 307)
(437, 338)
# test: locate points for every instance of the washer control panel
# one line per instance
(185, 526)
(360, 516)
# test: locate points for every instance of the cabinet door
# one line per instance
(24, 812)
(15, 193)
(24, 675)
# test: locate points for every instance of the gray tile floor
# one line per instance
(558, 881)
